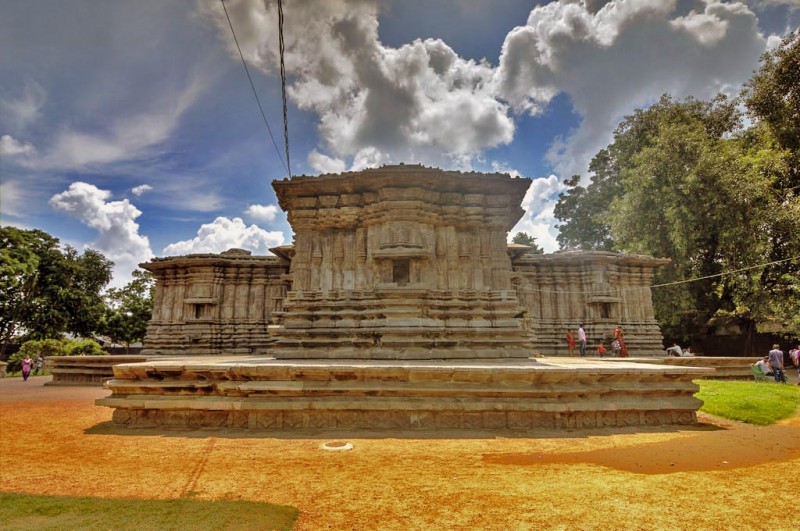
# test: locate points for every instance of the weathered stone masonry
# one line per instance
(400, 262)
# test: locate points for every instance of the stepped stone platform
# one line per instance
(257, 393)
(725, 368)
(86, 370)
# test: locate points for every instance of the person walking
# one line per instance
(27, 363)
(39, 365)
(776, 362)
(582, 341)
(570, 342)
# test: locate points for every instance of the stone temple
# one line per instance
(399, 305)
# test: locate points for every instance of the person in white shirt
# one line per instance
(675, 350)
(582, 341)
(763, 364)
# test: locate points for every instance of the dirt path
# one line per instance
(721, 475)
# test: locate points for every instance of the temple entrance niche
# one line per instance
(403, 255)
(402, 262)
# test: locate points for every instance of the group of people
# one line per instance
(617, 345)
(772, 363)
(28, 364)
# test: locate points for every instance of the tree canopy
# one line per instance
(684, 180)
(128, 309)
(46, 290)
(523, 238)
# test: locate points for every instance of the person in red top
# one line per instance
(601, 350)
(571, 342)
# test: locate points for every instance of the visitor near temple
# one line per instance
(776, 362)
(620, 337)
(570, 342)
(27, 363)
(763, 366)
(582, 340)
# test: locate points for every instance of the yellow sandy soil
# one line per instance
(720, 475)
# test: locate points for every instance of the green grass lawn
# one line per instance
(754, 403)
(27, 511)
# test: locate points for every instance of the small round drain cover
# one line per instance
(337, 446)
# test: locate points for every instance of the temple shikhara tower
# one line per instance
(402, 263)
(400, 305)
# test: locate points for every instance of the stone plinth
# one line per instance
(85, 370)
(725, 367)
(261, 394)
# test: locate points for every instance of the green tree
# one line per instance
(772, 97)
(129, 309)
(682, 180)
(523, 238)
(46, 291)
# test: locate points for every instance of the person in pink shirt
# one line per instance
(27, 363)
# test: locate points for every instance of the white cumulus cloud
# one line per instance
(325, 164)
(419, 102)
(539, 204)
(225, 233)
(422, 102)
(621, 56)
(262, 213)
(141, 189)
(115, 221)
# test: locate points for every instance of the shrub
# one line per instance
(53, 347)
(84, 347)
(33, 348)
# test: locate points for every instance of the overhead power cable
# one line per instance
(283, 88)
(252, 86)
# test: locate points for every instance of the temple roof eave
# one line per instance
(572, 257)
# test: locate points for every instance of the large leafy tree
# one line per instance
(44, 290)
(707, 200)
(682, 180)
(129, 309)
(772, 97)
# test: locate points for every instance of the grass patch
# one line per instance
(754, 403)
(28, 511)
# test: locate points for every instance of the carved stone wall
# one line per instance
(602, 290)
(214, 303)
(401, 262)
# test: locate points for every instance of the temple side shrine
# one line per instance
(399, 306)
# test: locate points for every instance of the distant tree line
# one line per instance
(715, 187)
(48, 290)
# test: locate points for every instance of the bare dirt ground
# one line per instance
(719, 475)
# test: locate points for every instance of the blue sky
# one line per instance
(130, 127)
